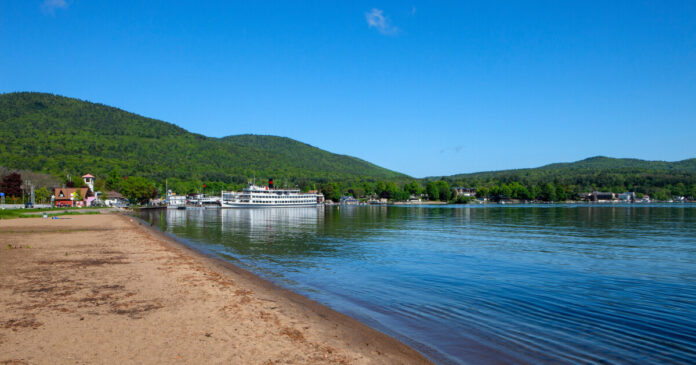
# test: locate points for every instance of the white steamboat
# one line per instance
(254, 196)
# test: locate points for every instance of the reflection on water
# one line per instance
(264, 224)
(482, 284)
(253, 220)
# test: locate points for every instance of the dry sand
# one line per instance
(106, 289)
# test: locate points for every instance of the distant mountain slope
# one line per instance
(304, 156)
(608, 163)
(595, 165)
(50, 133)
(601, 173)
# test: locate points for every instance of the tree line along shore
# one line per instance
(14, 185)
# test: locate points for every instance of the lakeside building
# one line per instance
(598, 196)
(115, 199)
(461, 191)
(415, 199)
(349, 200)
(73, 197)
(76, 197)
(625, 197)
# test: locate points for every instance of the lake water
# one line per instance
(481, 284)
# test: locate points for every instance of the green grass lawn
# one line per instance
(25, 210)
(21, 213)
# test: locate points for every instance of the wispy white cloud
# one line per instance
(376, 19)
(50, 6)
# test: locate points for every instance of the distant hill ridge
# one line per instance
(661, 179)
(602, 162)
(595, 164)
(56, 134)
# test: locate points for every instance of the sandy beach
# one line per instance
(106, 289)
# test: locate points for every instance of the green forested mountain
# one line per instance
(624, 164)
(60, 135)
(658, 178)
(592, 167)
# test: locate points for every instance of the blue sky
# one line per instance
(424, 88)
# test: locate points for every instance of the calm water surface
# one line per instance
(524, 284)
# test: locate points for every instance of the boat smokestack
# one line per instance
(270, 183)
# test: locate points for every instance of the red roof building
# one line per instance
(67, 197)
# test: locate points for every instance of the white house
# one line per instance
(115, 199)
(460, 191)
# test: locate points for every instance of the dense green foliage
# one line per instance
(439, 190)
(59, 135)
(138, 189)
(379, 190)
(564, 181)
(42, 195)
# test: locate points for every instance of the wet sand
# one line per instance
(107, 289)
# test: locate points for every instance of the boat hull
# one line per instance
(270, 205)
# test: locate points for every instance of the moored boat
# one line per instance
(203, 201)
(254, 196)
(176, 201)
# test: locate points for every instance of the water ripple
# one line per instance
(532, 284)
